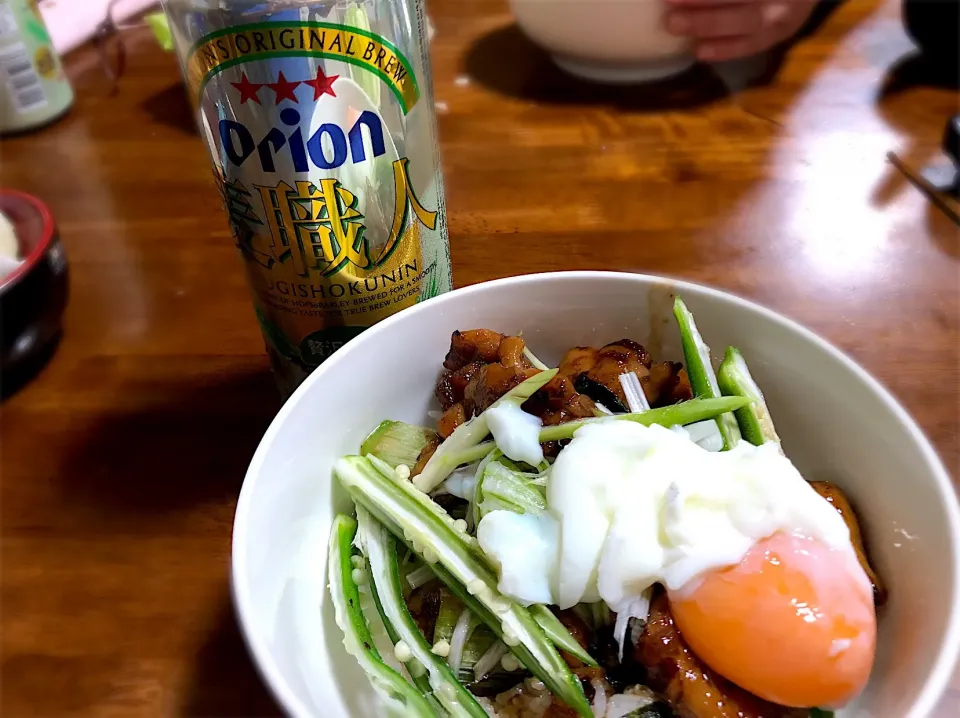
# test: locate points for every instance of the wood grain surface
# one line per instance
(122, 460)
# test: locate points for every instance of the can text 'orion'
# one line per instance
(239, 143)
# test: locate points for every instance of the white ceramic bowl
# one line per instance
(836, 421)
(615, 41)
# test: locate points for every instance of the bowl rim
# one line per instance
(46, 238)
(936, 681)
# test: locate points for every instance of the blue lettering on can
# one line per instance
(239, 144)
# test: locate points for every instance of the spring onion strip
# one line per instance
(559, 634)
(422, 499)
(397, 443)
(633, 390)
(601, 614)
(420, 576)
(558, 631)
(459, 448)
(548, 622)
(384, 637)
(448, 612)
(489, 660)
(415, 670)
(501, 488)
(681, 414)
(533, 359)
(390, 685)
(687, 412)
(480, 612)
(381, 550)
(474, 508)
(599, 410)
(461, 634)
(706, 435)
(703, 380)
(460, 564)
(735, 379)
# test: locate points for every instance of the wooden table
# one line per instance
(122, 462)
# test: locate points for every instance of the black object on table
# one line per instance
(934, 26)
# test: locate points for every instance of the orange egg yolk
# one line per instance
(793, 623)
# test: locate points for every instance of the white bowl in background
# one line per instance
(836, 421)
(614, 41)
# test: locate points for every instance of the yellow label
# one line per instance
(337, 227)
(309, 262)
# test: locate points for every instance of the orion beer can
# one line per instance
(320, 122)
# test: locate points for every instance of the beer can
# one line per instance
(320, 123)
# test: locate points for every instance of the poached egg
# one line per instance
(753, 559)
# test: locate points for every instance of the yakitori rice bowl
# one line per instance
(541, 496)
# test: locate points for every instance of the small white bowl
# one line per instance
(836, 421)
(612, 41)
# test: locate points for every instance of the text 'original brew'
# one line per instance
(320, 123)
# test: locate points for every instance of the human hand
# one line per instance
(728, 29)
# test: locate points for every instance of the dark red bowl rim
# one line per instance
(49, 230)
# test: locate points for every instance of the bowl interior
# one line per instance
(837, 424)
(33, 226)
(29, 220)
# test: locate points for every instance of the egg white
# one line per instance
(629, 506)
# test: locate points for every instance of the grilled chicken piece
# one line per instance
(591, 679)
(511, 352)
(604, 366)
(425, 453)
(616, 359)
(451, 419)
(490, 383)
(557, 402)
(577, 361)
(465, 347)
(424, 605)
(611, 361)
(687, 685)
(833, 494)
(667, 383)
(469, 352)
(558, 709)
(663, 383)
(453, 384)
